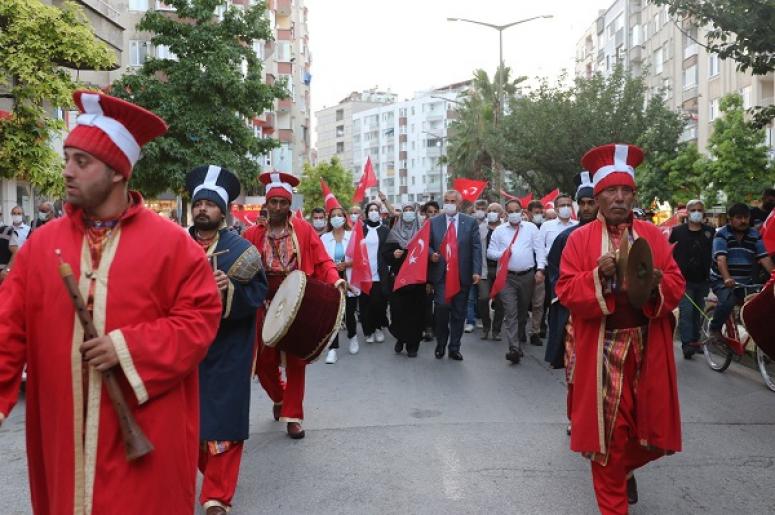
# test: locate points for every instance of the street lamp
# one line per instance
(500, 29)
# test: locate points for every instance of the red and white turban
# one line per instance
(612, 165)
(278, 184)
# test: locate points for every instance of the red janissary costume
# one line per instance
(625, 409)
(161, 322)
(301, 250)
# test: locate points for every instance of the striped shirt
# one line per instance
(741, 254)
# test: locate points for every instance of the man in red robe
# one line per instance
(156, 308)
(624, 411)
(286, 244)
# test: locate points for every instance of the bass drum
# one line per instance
(303, 317)
(757, 314)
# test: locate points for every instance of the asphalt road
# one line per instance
(389, 434)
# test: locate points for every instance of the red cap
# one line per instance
(113, 130)
(612, 165)
(328, 197)
(278, 184)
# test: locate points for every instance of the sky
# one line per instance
(408, 45)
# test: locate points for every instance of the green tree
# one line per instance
(209, 94)
(338, 178)
(739, 164)
(684, 174)
(36, 41)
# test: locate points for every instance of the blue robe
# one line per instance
(224, 374)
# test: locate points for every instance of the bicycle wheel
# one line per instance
(766, 368)
(717, 354)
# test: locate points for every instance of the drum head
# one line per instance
(640, 273)
(283, 308)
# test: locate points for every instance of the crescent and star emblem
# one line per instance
(413, 255)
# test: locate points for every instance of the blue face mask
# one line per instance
(409, 216)
(337, 221)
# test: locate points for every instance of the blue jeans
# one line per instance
(473, 300)
(690, 318)
(727, 298)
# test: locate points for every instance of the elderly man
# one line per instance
(491, 326)
(45, 215)
(456, 265)
(21, 228)
(624, 410)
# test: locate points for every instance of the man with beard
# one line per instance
(155, 307)
(224, 375)
(286, 244)
(559, 343)
(624, 411)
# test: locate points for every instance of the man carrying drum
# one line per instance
(286, 244)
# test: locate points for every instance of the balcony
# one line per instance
(285, 135)
(283, 7)
(690, 92)
(636, 54)
(691, 50)
(689, 134)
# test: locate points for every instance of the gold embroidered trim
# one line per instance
(128, 366)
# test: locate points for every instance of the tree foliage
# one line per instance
(685, 175)
(209, 94)
(338, 178)
(35, 41)
(739, 164)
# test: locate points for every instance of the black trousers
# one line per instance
(373, 309)
(450, 319)
(349, 320)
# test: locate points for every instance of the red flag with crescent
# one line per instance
(328, 197)
(414, 270)
(368, 179)
(469, 189)
(503, 268)
(449, 252)
(768, 233)
(356, 250)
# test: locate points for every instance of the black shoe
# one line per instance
(496, 336)
(412, 353)
(439, 353)
(454, 354)
(427, 336)
(688, 352)
(514, 356)
(632, 491)
(399, 347)
(535, 340)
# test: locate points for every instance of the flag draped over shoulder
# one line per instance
(361, 270)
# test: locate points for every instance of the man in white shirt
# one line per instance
(525, 270)
(550, 229)
(22, 229)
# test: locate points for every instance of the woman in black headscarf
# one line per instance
(406, 313)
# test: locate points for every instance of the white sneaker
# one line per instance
(479, 323)
(379, 335)
(370, 338)
(468, 328)
(331, 356)
(354, 345)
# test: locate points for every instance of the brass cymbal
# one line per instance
(640, 273)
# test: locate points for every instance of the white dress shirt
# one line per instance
(551, 229)
(22, 231)
(526, 252)
(372, 249)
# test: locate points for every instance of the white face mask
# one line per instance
(318, 223)
(42, 216)
(564, 212)
(480, 214)
(355, 217)
(374, 216)
(492, 217)
(450, 209)
(515, 218)
(337, 221)
(16, 219)
(538, 219)
(695, 217)
(409, 216)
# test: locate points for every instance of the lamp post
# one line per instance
(500, 28)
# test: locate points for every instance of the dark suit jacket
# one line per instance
(469, 246)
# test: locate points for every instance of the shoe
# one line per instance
(535, 340)
(354, 347)
(331, 357)
(688, 351)
(370, 338)
(427, 335)
(295, 431)
(379, 335)
(399, 347)
(468, 328)
(485, 335)
(215, 510)
(411, 353)
(496, 336)
(454, 354)
(479, 323)
(439, 352)
(514, 355)
(632, 490)
(276, 411)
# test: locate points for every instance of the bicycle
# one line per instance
(735, 340)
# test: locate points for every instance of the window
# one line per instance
(690, 77)
(339, 115)
(138, 52)
(284, 51)
(746, 94)
(413, 180)
(659, 60)
(665, 88)
(713, 65)
(340, 131)
(138, 5)
(619, 22)
(714, 110)
(645, 32)
(339, 147)
(164, 52)
(656, 23)
(610, 30)
(288, 84)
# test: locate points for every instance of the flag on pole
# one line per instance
(452, 277)
(508, 196)
(527, 199)
(361, 269)
(414, 270)
(548, 200)
(470, 189)
(368, 179)
(329, 199)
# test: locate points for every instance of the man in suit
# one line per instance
(450, 318)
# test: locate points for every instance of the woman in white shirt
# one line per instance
(373, 307)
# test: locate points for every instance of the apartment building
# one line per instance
(406, 141)
(334, 126)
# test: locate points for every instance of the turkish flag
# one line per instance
(452, 278)
(328, 198)
(550, 198)
(503, 268)
(361, 269)
(768, 233)
(507, 196)
(469, 188)
(667, 226)
(414, 270)
(368, 179)
(527, 199)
